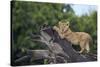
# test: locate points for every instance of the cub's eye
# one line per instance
(67, 24)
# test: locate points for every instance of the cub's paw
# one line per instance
(62, 37)
(54, 27)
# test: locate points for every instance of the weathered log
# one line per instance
(59, 50)
(53, 47)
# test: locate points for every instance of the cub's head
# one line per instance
(63, 24)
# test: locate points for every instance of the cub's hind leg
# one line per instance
(82, 46)
(87, 47)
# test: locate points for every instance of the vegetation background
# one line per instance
(27, 17)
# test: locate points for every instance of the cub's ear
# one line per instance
(68, 23)
(59, 22)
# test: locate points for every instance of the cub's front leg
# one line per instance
(59, 31)
(56, 28)
(61, 36)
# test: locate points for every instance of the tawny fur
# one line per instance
(76, 38)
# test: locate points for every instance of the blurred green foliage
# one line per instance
(27, 17)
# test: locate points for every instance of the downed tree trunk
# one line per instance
(59, 50)
(54, 48)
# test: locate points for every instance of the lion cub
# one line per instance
(76, 38)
